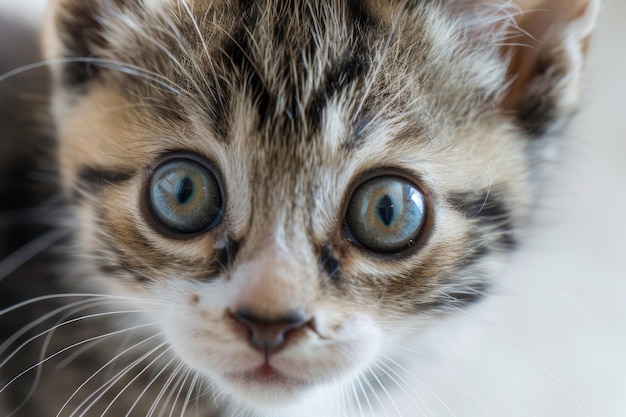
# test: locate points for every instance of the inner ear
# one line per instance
(540, 25)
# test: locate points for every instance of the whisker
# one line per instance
(65, 323)
(181, 384)
(165, 387)
(503, 396)
(40, 213)
(59, 352)
(78, 353)
(70, 310)
(66, 295)
(193, 385)
(402, 383)
(382, 386)
(415, 352)
(375, 392)
(104, 63)
(566, 388)
(106, 365)
(146, 388)
(128, 339)
(367, 398)
(555, 378)
(422, 383)
(24, 68)
(346, 402)
(97, 394)
(27, 252)
(9, 341)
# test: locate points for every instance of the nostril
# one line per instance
(270, 334)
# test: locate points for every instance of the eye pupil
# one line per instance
(185, 190)
(385, 210)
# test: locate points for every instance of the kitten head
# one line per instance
(300, 184)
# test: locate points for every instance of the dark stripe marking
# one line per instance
(466, 295)
(226, 257)
(237, 52)
(360, 14)
(81, 33)
(329, 262)
(99, 176)
(490, 213)
(92, 179)
(536, 116)
(488, 210)
(469, 294)
(339, 76)
(486, 206)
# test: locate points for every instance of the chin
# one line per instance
(267, 388)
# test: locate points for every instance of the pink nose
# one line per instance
(269, 335)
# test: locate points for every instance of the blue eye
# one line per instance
(386, 214)
(185, 196)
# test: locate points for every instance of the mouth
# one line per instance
(268, 378)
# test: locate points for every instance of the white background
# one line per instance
(557, 347)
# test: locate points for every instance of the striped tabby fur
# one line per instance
(292, 105)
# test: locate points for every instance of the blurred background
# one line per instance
(554, 344)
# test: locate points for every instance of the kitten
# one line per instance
(273, 202)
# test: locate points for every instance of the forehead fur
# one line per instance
(298, 73)
(290, 58)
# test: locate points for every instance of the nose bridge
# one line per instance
(277, 278)
(282, 195)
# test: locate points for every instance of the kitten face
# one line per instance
(295, 187)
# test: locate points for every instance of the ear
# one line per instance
(546, 53)
(74, 35)
(544, 43)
